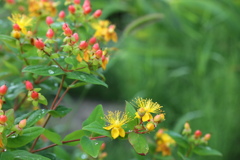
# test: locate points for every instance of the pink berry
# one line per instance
(39, 44)
(77, 1)
(35, 95)
(61, 14)
(16, 27)
(97, 13)
(3, 90)
(22, 123)
(3, 119)
(49, 20)
(68, 32)
(92, 40)
(28, 85)
(50, 33)
(197, 133)
(98, 53)
(83, 45)
(71, 9)
(75, 35)
(86, 3)
(87, 9)
(95, 47)
(64, 26)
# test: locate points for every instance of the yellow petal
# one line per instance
(79, 58)
(115, 133)
(121, 132)
(146, 117)
(137, 115)
(108, 127)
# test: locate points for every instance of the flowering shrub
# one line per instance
(70, 48)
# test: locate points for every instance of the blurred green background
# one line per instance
(183, 54)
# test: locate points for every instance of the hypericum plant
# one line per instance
(55, 53)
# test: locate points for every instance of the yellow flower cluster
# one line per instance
(105, 31)
(116, 120)
(39, 8)
(22, 21)
(164, 143)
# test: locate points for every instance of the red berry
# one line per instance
(3, 90)
(83, 45)
(22, 123)
(87, 9)
(64, 26)
(97, 13)
(92, 40)
(39, 44)
(197, 133)
(71, 9)
(35, 95)
(86, 3)
(68, 32)
(95, 47)
(77, 1)
(50, 33)
(98, 53)
(49, 20)
(61, 14)
(28, 85)
(3, 119)
(75, 35)
(16, 27)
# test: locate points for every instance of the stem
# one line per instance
(58, 92)
(189, 151)
(10, 134)
(21, 50)
(54, 60)
(17, 106)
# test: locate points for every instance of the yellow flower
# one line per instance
(148, 106)
(38, 8)
(22, 20)
(116, 120)
(164, 142)
(105, 30)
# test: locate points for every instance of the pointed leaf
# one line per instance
(21, 155)
(139, 143)
(36, 116)
(96, 115)
(52, 136)
(180, 140)
(91, 147)
(206, 151)
(75, 135)
(43, 70)
(10, 115)
(96, 127)
(130, 111)
(60, 111)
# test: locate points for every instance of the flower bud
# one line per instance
(92, 40)
(34, 95)
(68, 32)
(38, 43)
(71, 9)
(159, 133)
(29, 34)
(103, 146)
(3, 90)
(16, 34)
(187, 126)
(49, 20)
(141, 112)
(16, 27)
(150, 126)
(159, 118)
(97, 13)
(95, 47)
(75, 35)
(197, 134)
(87, 9)
(83, 45)
(207, 137)
(61, 15)
(111, 28)
(3, 119)
(98, 53)
(50, 33)
(28, 85)
(22, 123)
(86, 3)
(64, 26)
(76, 1)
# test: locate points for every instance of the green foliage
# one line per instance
(206, 151)
(43, 70)
(53, 136)
(180, 140)
(91, 147)
(21, 155)
(139, 143)
(60, 111)
(35, 116)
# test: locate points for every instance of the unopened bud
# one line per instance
(3, 90)
(103, 146)
(159, 133)
(16, 27)
(186, 125)
(49, 20)
(83, 45)
(197, 134)
(87, 9)
(16, 34)
(141, 112)
(77, 1)
(68, 32)
(64, 26)
(150, 126)
(71, 9)
(61, 15)
(92, 40)
(76, 37)
(28, 85)
(96, 47)
(207, 137)
(159, 118)
(98, 53)
(22, 123)
(97, 13)
(3, 119)
(39, 44)
(50, 33)
(86, 3)
(35, 95)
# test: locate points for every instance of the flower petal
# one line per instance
(121, 132)
(108, 127)
(115, 133)
(146, 117)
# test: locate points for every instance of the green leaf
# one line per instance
(9, 41)
(96, 127)
(85, 78)
(10, 115)
(52, 136)
(206, 151)
(139, 143)
(60, 111)
(36, 116)
(11, 66)
(91, 147)
(96, 115)
(75, 135)
(42, 100)
(180, 140)
(130, 111)
(21, 155)
(29, 134)
(43, 70)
